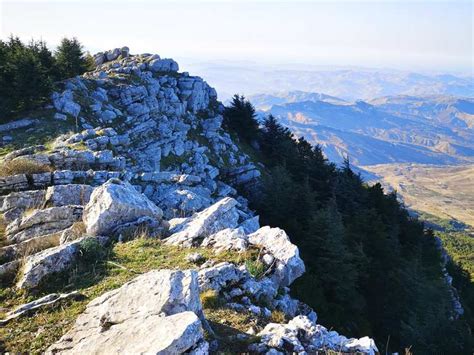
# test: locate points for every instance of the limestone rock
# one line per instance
(116, 203)
(219, 276)
(15, 203)
(157, 312)
(42, 222)
(227, 239)
(303, 335)
(51, 260)
(64, 103)
(250, 225)
(223, 214)
(163, 65)
(73, 194)
(22, 123)
(42, 302)
(13, 183)
(289, 265)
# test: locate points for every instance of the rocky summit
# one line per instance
(150, 159)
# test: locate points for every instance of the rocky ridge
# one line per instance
(151, 155)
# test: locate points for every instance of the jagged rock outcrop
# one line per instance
(30, 307)
(157, 312)
(302, 334)
(287, 262)
(42, 222)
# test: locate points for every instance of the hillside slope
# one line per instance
(425, 130)
(139, 190)
(444, 191)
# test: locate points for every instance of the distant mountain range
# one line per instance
(348, 83)
(393, 129)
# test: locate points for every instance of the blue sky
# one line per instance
(431, 35)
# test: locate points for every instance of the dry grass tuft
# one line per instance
(209, 299)
(278, 317)
(23, 166)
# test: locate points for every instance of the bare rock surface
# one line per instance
(157, 312)
(42, 264)
(116, 203)
(221, 215)
(288, 266)
(42, 222)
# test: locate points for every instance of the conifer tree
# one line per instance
(71, 59)
(240, 117)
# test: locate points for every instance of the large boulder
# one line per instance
(64, 103)
(223, 214)
(116, 203)
(158, 312)
(288, 264)
(163, 65)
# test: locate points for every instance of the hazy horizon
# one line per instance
(423, 36)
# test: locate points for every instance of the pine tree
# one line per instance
(240, 117)
(70, 58)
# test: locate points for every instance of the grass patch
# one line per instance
(79, 146)
(3, 227)
(278, 317)
(92, 276)
(23, 166)
(255, 267)
(45, 132)
(210, 299)
(230, 325)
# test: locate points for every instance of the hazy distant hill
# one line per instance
(432, 130)
(346, 83)
(266, 101)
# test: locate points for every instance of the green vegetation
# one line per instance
(28, 72)
(460, 247)
(97, 272)
(210, 299)
(278, 317)
(3, 227)
(44, 133)
(256, 268)
(228, 324)
(371, 269)
(240, 117)
(71, 60)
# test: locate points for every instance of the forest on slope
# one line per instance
(371, 268)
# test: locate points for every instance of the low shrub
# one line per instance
(91, 251)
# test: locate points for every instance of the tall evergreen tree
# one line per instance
(240, 117)
(71, 59)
